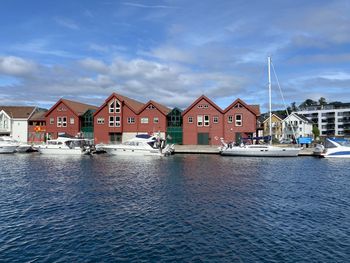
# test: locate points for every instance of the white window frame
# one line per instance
(144, 120)
(206, 120)
(111, 106)
(229, 119)
(71, 120)
(199, 120)
(64, 121)
(216, 119)
(100, 120)
(111, 121)
(131, 120)
(155, 120)
(190, 119)
(117, 108)
(59, 121)
(239, 123)
(52, 120)
(117, 121)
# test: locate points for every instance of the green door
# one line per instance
(174, 135)
(115, 137)
(203, 138)
(238, 137)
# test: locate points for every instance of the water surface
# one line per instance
(186, 208)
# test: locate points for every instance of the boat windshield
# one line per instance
(343, 142)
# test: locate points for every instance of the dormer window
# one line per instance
(111, 107)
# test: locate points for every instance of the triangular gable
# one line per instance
(280, 119)
(164, 110)
(5, 113)
(252, 109)
(76, 107)
(298, 116)
(198, 100)
(133, 105)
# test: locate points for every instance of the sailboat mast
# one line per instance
(270, 104)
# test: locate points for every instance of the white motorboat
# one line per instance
(260, 150)
(8, 145)
(333, 148)
(66, 146)
(142, 144)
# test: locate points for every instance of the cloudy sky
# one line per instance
(173, 51)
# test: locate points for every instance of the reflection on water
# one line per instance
(182, 208)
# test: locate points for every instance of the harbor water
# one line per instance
(184, 208)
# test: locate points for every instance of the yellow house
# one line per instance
(276, 127)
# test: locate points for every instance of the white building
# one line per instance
(332, 120)
(296, 126)
(14, 121)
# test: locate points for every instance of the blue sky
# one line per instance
(173, 51)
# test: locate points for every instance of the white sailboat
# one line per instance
(261, 150)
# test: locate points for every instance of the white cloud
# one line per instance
(15, 66)
(66, 22)
(93, 65)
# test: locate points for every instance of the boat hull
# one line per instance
(8, 148)
(60, 151)
(261, 152)
(132, 152)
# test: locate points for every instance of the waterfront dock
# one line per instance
(208, 149)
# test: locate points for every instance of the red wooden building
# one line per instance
(65, 118)
(121, 118)
(37, 126)
(205, 123)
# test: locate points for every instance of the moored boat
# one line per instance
(333, 148)
(8, 145)
(66, 146)
(142, 144)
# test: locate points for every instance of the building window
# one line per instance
(151, 107)
(59, 121)
(100, 120)
(117, 121)
(117, 106)
(238, 105)
(190, 119)
(238, 121)
(144, 120)
(230, 119)
(52, 120)
(131, 120)
(206, 120)
(64, 121)
(199, 120)
(111, 107)
(215, 119)
(71, 121)
(155, 120)
(111, 121)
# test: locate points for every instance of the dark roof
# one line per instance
(301, 116)
(163, 109)
(39, 115)
(78, 107)
(18, 112)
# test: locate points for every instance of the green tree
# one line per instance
(315, 131)
(322, 101)
(308, 102)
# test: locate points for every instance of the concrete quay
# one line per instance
(208, 149)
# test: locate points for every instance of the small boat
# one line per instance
(333, 148)
(8, 145)
(259, 150)
(66, 146)
(142, 144)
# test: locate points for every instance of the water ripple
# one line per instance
(181, 209)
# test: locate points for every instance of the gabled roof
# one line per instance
(39, 115)
(77, 107)
(134, 105)
(18, 112)
(160, 107)
(255, 109)
(300, 117)
(198, 100)
(267, 117)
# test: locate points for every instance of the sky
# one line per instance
(173, 51)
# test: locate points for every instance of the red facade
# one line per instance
(205, 123)
(64, 118)
(120, 118)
